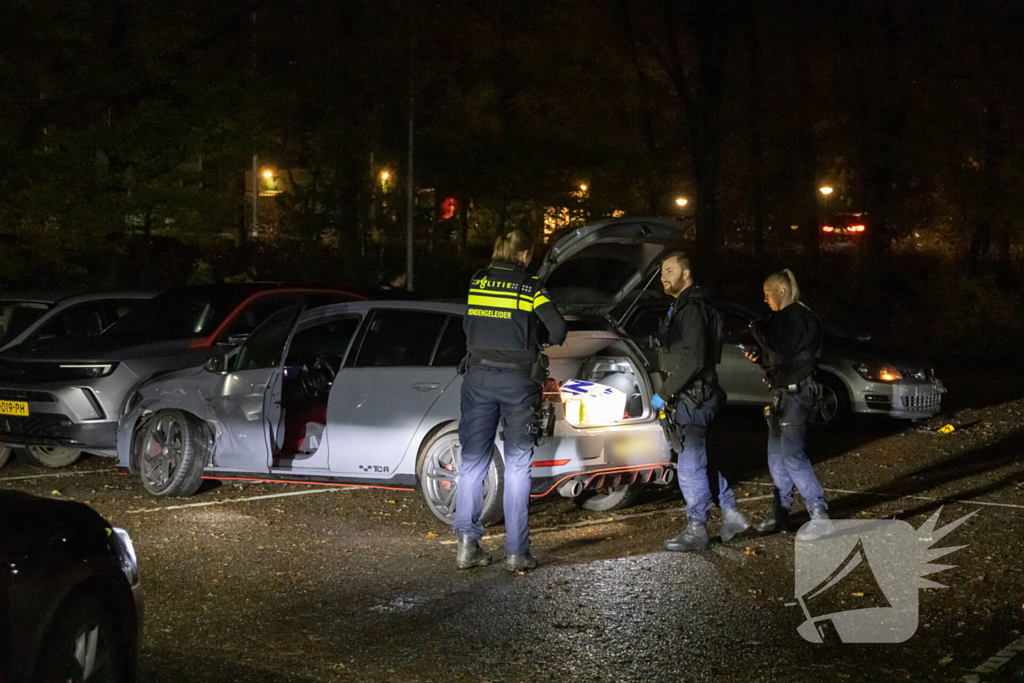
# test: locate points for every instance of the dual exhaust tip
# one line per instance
(574, 487)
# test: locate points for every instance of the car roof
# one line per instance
(399, 305)
(52, 296)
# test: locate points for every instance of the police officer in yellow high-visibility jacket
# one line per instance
(506, 304)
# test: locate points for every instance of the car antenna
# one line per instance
(630, 309)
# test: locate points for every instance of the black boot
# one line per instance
(693, 537)
(820, 525)
(733, 522)
(520, 563)
(778, 520)
(470, 554)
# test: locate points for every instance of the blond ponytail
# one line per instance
(785, 278)
(509, 246)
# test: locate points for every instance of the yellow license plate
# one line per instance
(19, 408)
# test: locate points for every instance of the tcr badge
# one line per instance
(860, 584)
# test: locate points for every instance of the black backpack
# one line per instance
(715, 327)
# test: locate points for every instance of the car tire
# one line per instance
(52, 457)
(437, 470)
(83, 645)
(608, 498)
(834, 407)
(5, 453)
(173, 452)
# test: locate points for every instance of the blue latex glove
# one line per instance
(657, 402)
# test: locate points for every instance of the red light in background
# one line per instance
(857, 228)
(447, 209)
(827, 228)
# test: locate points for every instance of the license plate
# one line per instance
(19, 408)
(634, 448)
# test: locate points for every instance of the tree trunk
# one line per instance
(463, 224)
(755, 114)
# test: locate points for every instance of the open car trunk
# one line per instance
(620, 390)
(595, 268)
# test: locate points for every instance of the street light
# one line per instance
(825, 190)
(268, 174)
(583, 187)
(384, 175)
(681, 201)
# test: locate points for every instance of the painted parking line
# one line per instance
(55, 474)
(233, 500)
(895, 496)
(609, 520)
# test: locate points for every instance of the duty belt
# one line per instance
(501, 365)
(791, 388)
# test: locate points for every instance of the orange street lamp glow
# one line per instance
(268, 174)
(681, 201)
(384, 175)
(583, 187)
(826, 190)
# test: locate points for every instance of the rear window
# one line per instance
(590, 279)
(400, 338)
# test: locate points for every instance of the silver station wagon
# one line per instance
(367, 394)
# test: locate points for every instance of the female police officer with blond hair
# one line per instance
(789, 341)
(503, 380)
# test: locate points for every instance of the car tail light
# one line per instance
(551, 390)
(827, 228)
(856, 228)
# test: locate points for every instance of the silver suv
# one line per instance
(60, 398)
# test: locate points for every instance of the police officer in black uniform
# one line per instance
(503, 381)
(789, 341)
(688, 350)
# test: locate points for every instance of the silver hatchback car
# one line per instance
(853, 377)
(367, 394)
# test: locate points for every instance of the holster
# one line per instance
(773, 413)
(539, 371)
(672, 430)
(697, 393)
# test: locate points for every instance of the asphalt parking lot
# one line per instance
(268, 582)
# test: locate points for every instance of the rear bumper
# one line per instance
(653, 473)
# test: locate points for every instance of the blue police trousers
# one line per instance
(787, 461)
(692, 467)
(488, 395)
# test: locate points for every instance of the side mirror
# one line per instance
(216, 364)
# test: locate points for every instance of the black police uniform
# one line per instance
(506, 307)
(688, 352)
(790, 340)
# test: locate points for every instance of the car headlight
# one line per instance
(133, 400)
(87, 370)
(125, 550)
(878, 372)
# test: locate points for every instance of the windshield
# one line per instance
(16, 316)
(177, 315)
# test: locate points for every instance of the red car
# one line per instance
(844, 229)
